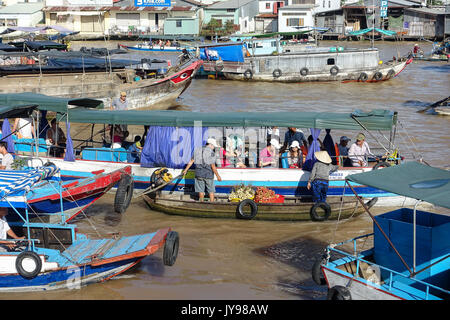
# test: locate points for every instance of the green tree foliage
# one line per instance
(215, 27)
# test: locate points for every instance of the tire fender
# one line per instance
(316, 272)
(339, 293)
(304, 72)
(314, 214)
(377, 76)
(240, 214)
(248, 74)
(334, 70)
(171, 246)
(23, 264)
(363, 77)
(124, 194)
(277, 73)
(382, 164)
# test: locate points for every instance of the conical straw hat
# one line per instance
(323, 156)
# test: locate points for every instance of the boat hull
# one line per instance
(147, 48)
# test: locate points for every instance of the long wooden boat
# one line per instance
(409, 259)
(293, 208)
(145, 47)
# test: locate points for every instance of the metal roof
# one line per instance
(22, 8)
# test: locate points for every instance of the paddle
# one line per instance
(434, 105)
(148, 190)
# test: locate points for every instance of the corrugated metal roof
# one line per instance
(427, 10)
(24, 8)
(230, 4)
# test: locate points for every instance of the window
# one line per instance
(330, 62)
(267, 5)
(178, 23)
(295, 22)
(323, 4)
(230, 10)
(329, 4)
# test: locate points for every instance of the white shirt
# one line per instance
(24, 127)
(7, 161)
(4, 228)
(356, 153)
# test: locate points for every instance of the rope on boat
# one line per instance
(148, 190)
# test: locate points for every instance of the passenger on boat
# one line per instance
(134, 151)
(56, 139)
(168, 44)
(24, 127)
(120, 103)
(273, 133)
(310, 141)
(205, 169)
(359, 151)
(5, 231)
(268, 157)
(7, 159)
(343, 151)
(416, 49)
(234, 150)
(293, 135)
(318, 180)
(118, 137)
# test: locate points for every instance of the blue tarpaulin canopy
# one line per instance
(225, 52)
(364, 31)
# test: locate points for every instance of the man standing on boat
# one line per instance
(205, 169)
(120, 103)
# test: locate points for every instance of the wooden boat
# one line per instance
(410, 256)
(433, 57)
(293, 208)
(145, 47)
(56, 256)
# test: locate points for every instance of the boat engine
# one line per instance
(159, 177)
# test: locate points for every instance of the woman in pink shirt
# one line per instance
(268, 156)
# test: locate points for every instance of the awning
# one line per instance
(411, 179)
(80, 13)
(364, 31)
(16, 111)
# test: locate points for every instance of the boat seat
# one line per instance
(105, 154)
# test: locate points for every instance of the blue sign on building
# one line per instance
(152, 3)
(383, 8)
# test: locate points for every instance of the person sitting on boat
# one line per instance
(318, 180)
(205, 169)
(359, 151)
(134, 151)
(293, 135)
(7, 159)
(234, 150)
(24, 127)
(343, 151)
(5, 231)
(168, 44)
(417, 51)
(56, 139)
(117, 137)
(120, 103)
(295, 155)
(268, 157)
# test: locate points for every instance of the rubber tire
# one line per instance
(277, 73)
(391, 73)
(304, 72)
(363, 77)
(315, 216)
(334, 70)
(248, 74)
(377, 76)
(339, 293)
(381, 164)
(240, 209)
(317, 274)
(171, 246)
(32, 255)
(369, 204)
(124, 194)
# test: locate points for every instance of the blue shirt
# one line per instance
(133, 154)
(289, 137)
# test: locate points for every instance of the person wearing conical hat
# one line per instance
(318, 180)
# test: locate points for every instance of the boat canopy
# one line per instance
(373, 120)
(44, 102)
(411, 179)
(16, 111)
(364, 31)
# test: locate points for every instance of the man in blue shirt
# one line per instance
(293, 135)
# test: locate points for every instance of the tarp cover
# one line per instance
(225, 52)
(411, 179)
(364, 31)
(376, 120)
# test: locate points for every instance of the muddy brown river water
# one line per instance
(233, 259)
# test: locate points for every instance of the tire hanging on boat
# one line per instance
(363, 77)
(240, 214)
(369, 204)
(171, 246)
(316, 272)
(391, 73)
(124, 194)
(334, 70)
(304, 72)
(382, 164)
(248, 74)
(276, 73)
(339, 293)
(378, 76)
(24, 269)
(315, 216)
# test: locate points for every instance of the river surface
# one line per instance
(233, 259)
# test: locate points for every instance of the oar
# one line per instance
(433, 105)
(148, 190)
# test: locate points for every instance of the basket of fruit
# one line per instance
(266, 195)
(241, 192)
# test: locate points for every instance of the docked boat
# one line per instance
(410, 256)
(292, 208)
(312, 64)
(162, 43)
(148, 84)
(56, 256)
(181, 124)
(149, 47)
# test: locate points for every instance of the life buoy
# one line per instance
(171, 245)
(316, 272)
(391, 73)
(304, 71)
(382, 164)
(378, 76)
(334, 70)
(315, 216)
(363, 77)
(240, 214)
(219, 67)
(124, 194)
(28, 264)
(276, 73)
(248, 74)
(339, 293)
